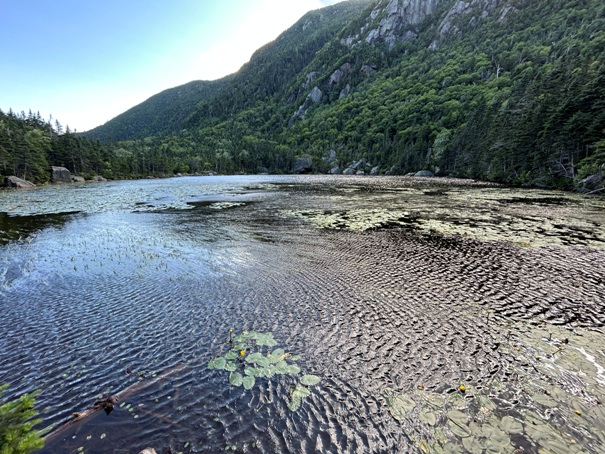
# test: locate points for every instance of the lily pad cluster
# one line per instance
(558, 410)
(251, 355)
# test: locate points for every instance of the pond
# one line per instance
(438, 314)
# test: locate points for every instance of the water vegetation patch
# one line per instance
(525, 218)
(251, 355)
(549, 399)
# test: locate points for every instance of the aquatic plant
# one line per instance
(559, 411)
(17, 435)
(249, 356)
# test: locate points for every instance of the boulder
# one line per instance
(349, 171)
(302, 165)
(15, 182)
(345, 91)
(336, 77)
(592, 182)
(60, 175)
(78, 179)
(315, 95)
(98, 178)
(360, 172)
(334, 171)
(374, 170)
(424, 173)
(358, 164)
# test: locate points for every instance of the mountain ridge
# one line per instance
(503, 90)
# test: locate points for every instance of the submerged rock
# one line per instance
(16, 182)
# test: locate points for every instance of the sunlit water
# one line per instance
(380, 285)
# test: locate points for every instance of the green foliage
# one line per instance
(162, 114)
(17, 435)
(515, 98)
(251, 356)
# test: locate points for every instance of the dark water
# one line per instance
(103, 286)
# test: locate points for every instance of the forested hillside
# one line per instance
(162, 114)
(503, 90)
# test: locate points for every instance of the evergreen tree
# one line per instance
(17, 435)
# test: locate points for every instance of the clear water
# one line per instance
(106, 286)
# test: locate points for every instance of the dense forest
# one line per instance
(503, 90)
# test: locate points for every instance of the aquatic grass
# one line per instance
(251, 355)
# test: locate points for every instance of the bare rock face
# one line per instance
(392, 21)
(312, 98)
(60, 175)
(397, 16)
(315, 95)
(15, 182)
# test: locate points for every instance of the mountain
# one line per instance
(268, 69)
(505, 90)
(162, 114)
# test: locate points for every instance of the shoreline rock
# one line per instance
(17, 183)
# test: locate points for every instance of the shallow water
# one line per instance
(381, 285)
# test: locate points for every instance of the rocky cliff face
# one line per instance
(395, 20)
(390, 21)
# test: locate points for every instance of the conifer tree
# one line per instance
(17, 435)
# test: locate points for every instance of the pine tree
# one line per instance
(16, 425)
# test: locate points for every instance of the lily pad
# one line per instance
(510, 425)
(230, 366)
(543, 399)
(310, 380)
(294, 404)
(248, 381)
(236, 379)
(219, 363)
(472, 445)
(399, 403)
(293, 369)
(282, 367)
(254, 357)
(458, 423)
(230, 355)
(427, 417)
(300, 391)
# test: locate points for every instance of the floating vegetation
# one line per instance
(558, 410)
(357, 220)
(518, 217)
(250, 356)
(225, 205)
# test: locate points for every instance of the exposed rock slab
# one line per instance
(16, 182)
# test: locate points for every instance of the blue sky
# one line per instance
(85, 61)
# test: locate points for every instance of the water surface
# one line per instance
(392, 290)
